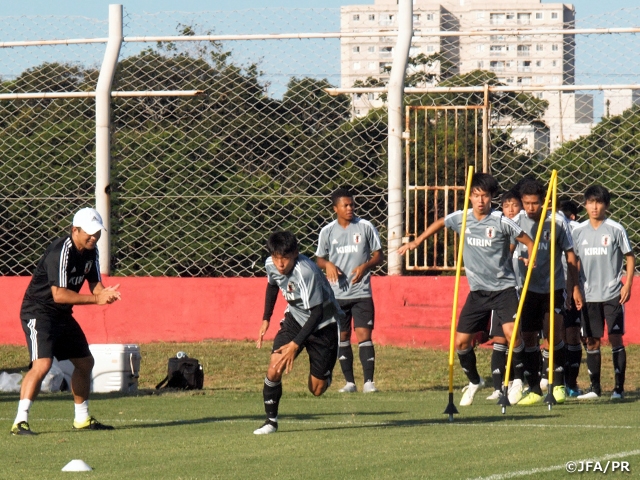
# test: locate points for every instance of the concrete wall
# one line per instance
(410, 311)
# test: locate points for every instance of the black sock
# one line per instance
(367, 359)
(517, 362)
(531, 366)
(498, 364)
(572, 365)
(271, 392)
(619, 367)
(346, 360)
(559, 357)
(468, 363)
(594, 366)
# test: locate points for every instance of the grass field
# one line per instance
(399, 432)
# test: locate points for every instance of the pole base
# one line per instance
(503, 401)
(451, 409)
(550, 400)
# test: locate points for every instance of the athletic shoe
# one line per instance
(559, 393)
(531, 398)
(369, 387)
(591, 394)
(91, 424)
(573, 392)
(544, 383)
(515, 392)
(267, 428)
(22, 428)
(348, 388)
(469, 392)
(617, 395)
(495, 395)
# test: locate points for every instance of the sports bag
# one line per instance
(183, 373)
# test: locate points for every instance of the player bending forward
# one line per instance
(487, 262)
(310, 321)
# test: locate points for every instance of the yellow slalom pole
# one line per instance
(516, 324)
(550, 399)
(451, 408)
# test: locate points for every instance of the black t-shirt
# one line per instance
(62, 265)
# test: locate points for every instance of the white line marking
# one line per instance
(533, 471)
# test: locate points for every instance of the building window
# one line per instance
(524, 18)
(372, 17)
(370, 96)
(386, 19)
(539, 48)
(356, 49)
(511, 16)
(554, 15)
(554, 79)
(386, 51)
(539, 95)
(431, 48)
(480, 48)
(538, 80)
(524, 80)
(414, 50)
(357, 111)
(371, 49)
(554, 47)
(496, 66)
(416, 18)
(497, 38)
(539, 15)
(384, 67)
(524, 50)
(496, 18)
(524, 66)
(554, 63)
(479, 15)
(356, 65)
(429, 16)
(372, 65)
(480, 64)
(538, 63)
(497, 50)
(356, 18)
(524, 38)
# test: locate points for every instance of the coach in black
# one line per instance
(47, 319)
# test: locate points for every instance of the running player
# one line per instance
(47, 317)
(310, 321)
(348, 248)
(489, 235)
(601, 245)
(535, 312)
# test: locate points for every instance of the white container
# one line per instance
(116, 369)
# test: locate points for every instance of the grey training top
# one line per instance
(540, 276)
(601, 252)
(487, 256)
(304, 288)
(347, 248)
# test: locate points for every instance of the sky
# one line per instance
(98, 8)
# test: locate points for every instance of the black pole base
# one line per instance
(550, 400)
(451, 409)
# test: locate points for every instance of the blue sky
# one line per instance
(98, 8)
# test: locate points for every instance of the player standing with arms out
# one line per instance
(47, 319)
(310, 321)
(601, 245)
(487, 262)
(348, 248)
(535, 311)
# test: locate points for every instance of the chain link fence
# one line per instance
(198, 183)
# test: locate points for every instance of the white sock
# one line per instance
(82, 411)
(23, 411)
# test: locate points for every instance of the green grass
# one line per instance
(399, 432)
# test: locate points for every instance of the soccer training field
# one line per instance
(399, 432)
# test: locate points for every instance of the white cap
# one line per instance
(89, 220)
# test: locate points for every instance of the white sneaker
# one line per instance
(495, 395)
(369, 387)
(544, 383)
(588, 396)
(515, 392)
(348, 388)
(617, 395)
(469, 392)
(267, 428)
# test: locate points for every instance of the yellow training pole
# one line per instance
(532, 260)
(549, 399)
(451, 408)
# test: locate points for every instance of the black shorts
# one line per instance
(594, 314)
(59, 337)
(322, 345)
(479, 306)
(572, 316)
(361, 310)
(536, 306)
(495, 328)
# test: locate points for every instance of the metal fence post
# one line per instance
(396, 93)
(103, 132)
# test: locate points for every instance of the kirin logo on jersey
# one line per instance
(605, 240)
(291, 287)
(289, 292)
(357, 238)
(87, 267)
(546, 235)
(490, 232)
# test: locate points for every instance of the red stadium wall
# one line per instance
(410, 311)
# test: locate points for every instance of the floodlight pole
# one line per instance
(103, 133)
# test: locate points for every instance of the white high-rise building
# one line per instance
(523, 59)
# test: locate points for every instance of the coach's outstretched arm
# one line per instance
(432, 229)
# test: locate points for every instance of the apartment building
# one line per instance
(516, 59)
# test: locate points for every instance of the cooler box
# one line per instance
(116, 369)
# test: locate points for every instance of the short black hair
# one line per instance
(569, 207)
(486, 183)
(597, 193)
(532, 187)
(510, 195)
(340, 193)
(282, 244)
